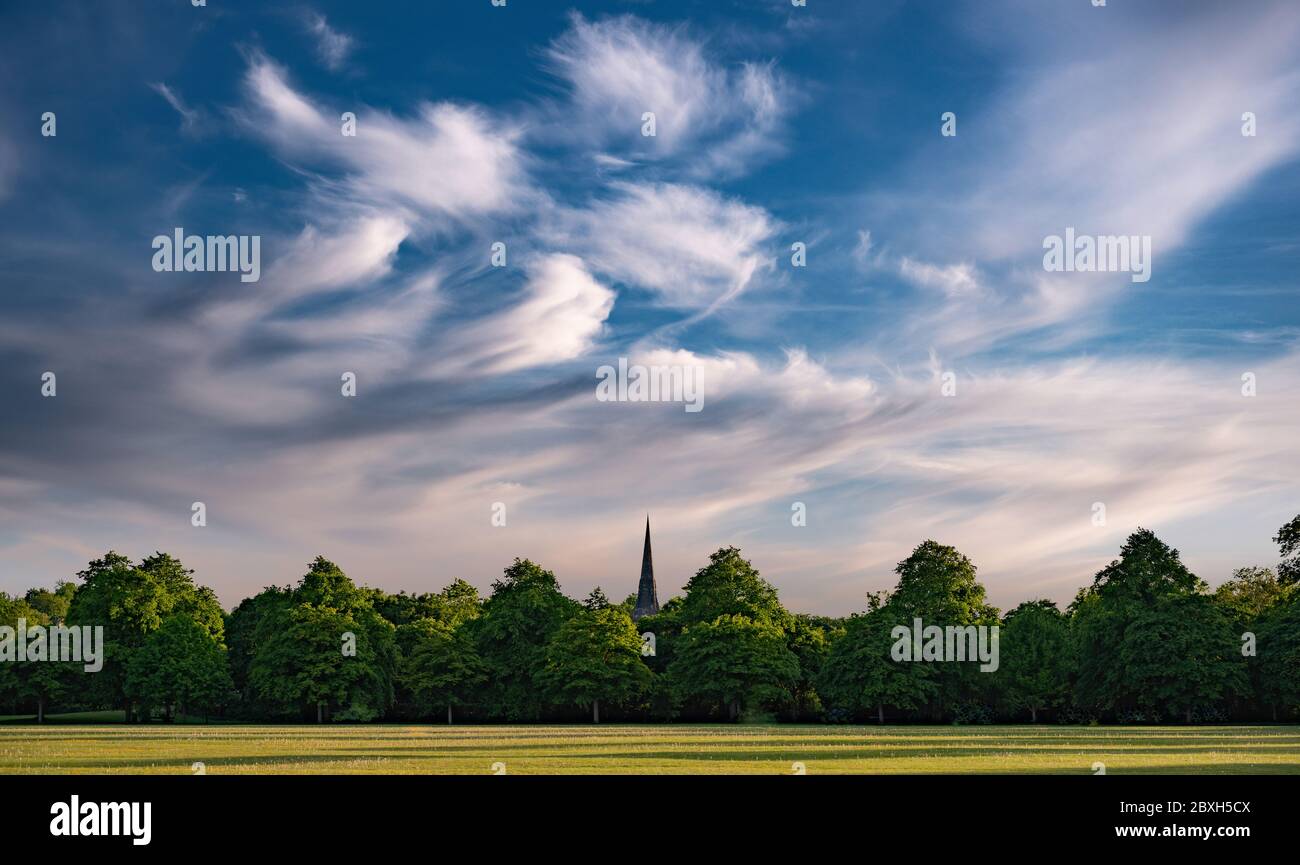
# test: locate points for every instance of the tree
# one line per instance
(1249, 594)
(1034, 650)
(1180, 654)
(860, 676)
(39, 681)
(729, 586)
(325, 646)
(596, 599)
(937, 584)
(523, 613)
(440, 667)
(734, 661)
(1279, 657)
(181, 666)
(458, 602)
(242, 627)
(301, 663)
(1147, 568)
(53, 604)
(1109, 675)
(1288, 541)
(594, 656)
(130, 603)
(807, 639)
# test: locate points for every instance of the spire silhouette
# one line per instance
(647, 597)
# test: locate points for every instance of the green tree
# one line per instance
(1288, 541)
(326, 647)
(594, 656)
(301, 663)
(460, 603)
(37, 682)
(1279, 657)
(730, 586)
(1033, 652)
(596, 599)
(241, 631)
(440, 667)
(525, 610)
(861, 676)
(181, 667)
(806, 638)
(736, 662)
(1147, 637)
(1249, 594)
(130, 603)
(53, 604)
(1147, 569)
(1181, 654)
(456, 603)
(937, 584)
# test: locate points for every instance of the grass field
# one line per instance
(615, 749)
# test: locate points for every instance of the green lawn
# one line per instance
(646, 749)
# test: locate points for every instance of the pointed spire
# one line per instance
(647, 597)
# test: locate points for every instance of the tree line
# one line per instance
(1146, 642)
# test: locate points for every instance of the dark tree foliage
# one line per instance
(1146, 640)
(519, 619)
(1288, 541)
(1034, 673)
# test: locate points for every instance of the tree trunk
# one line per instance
(1189, 716)
(320, 713)
(734, 710)
(880, 714)
(595, 711)
(1033, 716)
(449, 713)
(40, 710)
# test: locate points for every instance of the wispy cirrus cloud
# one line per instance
(449, 163)
(332, 46)
(558, 318)
(1111, 127)
(189, 116)
(690, 246)
(713, 119)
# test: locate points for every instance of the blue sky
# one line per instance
(823, 384)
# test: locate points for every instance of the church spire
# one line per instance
(647, 598)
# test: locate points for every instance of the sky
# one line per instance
(921, 375)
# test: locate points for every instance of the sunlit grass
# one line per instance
(618, 749)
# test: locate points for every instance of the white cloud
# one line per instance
(332, 46)
(357, 252)
(719, 120)
(954, 280)
(690, 246)
(450, 162)
(559, 318)
(189, 116)
(1109, 130)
